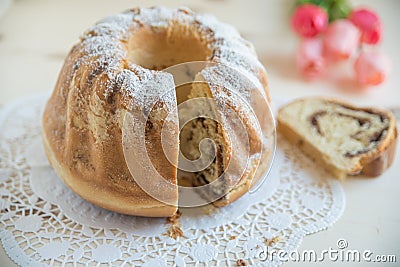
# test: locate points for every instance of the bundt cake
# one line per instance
(114, 112)
(345, 139)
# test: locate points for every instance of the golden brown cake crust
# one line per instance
(116, 201)
(100, 82)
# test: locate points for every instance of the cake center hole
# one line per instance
(158, 48)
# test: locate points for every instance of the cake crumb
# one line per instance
(241, 262)
(174, 231)
(232, 237)
(209, 209)
(272, 241)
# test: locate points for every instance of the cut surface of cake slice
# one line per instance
(219, 142)
(205, 143)
(345, 139)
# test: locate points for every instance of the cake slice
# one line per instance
(345, 139)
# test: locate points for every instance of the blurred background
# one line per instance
(35, 37)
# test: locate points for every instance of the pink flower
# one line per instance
(308, 20)
(369, 24)
(372, 67)
(341, 40)
(309, 58)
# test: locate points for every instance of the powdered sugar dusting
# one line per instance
(155, 17)
(103, 46)
(147, 88)
(243, 91)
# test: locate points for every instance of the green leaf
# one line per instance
(339, 9)
(336, 9)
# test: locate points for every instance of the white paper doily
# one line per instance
(43, 223)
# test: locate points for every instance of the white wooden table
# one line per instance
(35, 36)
